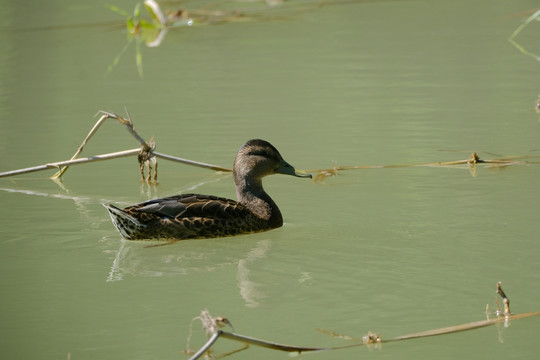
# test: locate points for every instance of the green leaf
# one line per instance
(155, 11)
(138, 60)
(116, 9)
(137, 11)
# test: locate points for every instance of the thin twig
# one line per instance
(148, 154)
(129, 126)
(56, 165)
(79, 150)
(206, 346)
(449, 329)
(369, 339)
(147, 150)
(119, 154)
(269, 344)
(301, 349)
(512, 37)
(321, 174)
(106, 115)
(191, 162)
(506, 300)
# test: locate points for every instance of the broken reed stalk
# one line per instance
(206, 346)
(105, 115)
(147, 150)
(473, 160)
(268, 344)
(369, 339)
(512, 38)
(464, 327)
(80, 148)
(56, 165)
(147, 155)
(322, 173)
(506, 301)
(115, 155)
(192, 162)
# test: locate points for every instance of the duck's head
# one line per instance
(258, 158)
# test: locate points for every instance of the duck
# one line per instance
(196, 216)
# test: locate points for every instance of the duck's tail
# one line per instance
(126, 224)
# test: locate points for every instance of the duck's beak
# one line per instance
(303, 174)
(287, 169)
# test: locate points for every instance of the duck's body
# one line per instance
(191, 216)
(188, 216)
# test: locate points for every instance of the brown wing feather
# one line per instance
(194, 216)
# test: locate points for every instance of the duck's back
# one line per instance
(186, 216)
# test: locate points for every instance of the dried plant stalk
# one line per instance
(211, 325)
(105, 115)
(147, 156)
(80, 149)
(59, 164)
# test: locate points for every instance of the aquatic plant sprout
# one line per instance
(152, 30)
(512, 38)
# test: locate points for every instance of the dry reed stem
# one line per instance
(80, 148)
(147, 158)
(369, 339)
(146, 155)
(59, 164)
(106, 115)
(472, 161)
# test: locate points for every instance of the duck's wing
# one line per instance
(188, 206)
(191, 216)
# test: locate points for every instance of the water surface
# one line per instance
(361, 83)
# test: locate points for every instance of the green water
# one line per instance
(394, 251)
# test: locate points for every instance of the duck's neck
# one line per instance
(250, 193)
